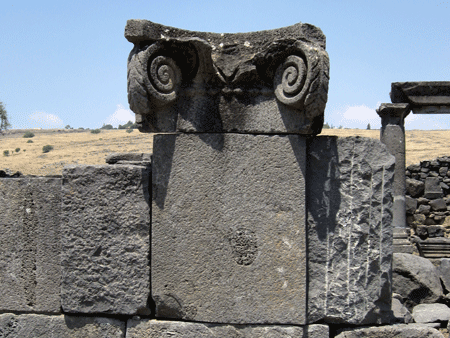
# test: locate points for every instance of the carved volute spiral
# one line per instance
(289, 80)
(273, 81)
(165, 77)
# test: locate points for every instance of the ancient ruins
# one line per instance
(243, 222)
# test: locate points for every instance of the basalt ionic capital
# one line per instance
(269, 82)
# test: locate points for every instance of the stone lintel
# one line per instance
(425, 97)
(432, 110)
(265, 82)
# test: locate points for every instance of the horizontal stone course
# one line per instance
(63, 326)
(397, 331)
(146, 328)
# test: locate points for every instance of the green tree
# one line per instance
(128, 125)
(107, 126)
(368, 127)
(4, 123)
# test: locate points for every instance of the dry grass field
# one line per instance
(69, 147)
(83, 147)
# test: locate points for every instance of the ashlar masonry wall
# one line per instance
(76, 250)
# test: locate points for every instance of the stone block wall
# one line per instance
(77, 250)
(428, 198)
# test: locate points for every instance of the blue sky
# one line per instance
(64, 62)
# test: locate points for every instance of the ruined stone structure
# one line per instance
(420, 98)
(428, 206)
(243, 223)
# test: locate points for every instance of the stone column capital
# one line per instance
(394, 112)
(267, 82)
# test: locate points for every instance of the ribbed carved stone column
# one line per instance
(393, 136)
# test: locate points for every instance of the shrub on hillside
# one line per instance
(17, 150)
(107, 126)
(95, 131)
(129, 130)
(47, 148)
(30, 141)
(28, 134)
(5, 152)
(127, 125)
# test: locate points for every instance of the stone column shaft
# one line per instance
(392, 134)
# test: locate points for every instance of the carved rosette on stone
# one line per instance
(261, 82)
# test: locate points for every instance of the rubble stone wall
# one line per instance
(428, 198)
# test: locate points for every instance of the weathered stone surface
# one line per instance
(421, 230)
(414, 168)
(414, 187)
(228, 228)
(132, 158)
(435, 247)
(444, 272)
(105, 242)
(401, 313)
(415, 279)
(411, 205)
(397, 331)
(427, 97)
(9, 173)
(392, 134)
(349, 230)
(435, 231)
(424, 209)
(30, 273)
(261, 82)
(430, 313)
(160, 328)
(422, 200)
(438, 205)
(432, 188)
(32, 325)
